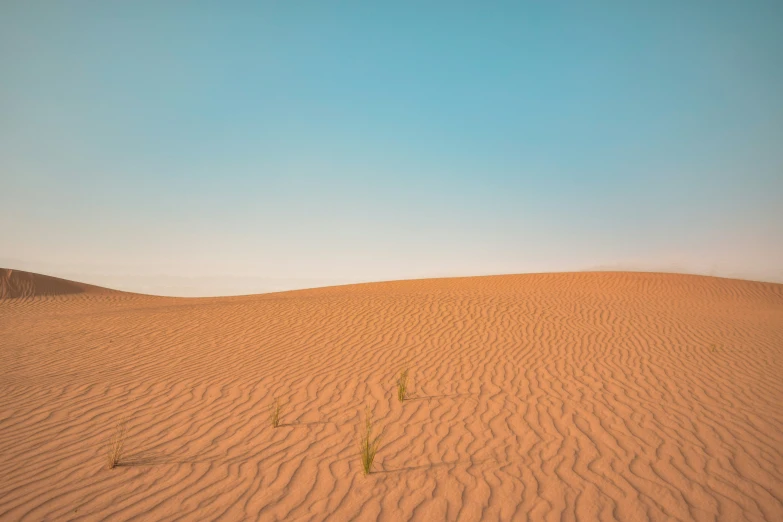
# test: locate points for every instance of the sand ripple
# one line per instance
(585, 396)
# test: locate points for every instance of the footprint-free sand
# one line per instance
(557, 397)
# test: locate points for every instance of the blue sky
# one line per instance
(283, 144)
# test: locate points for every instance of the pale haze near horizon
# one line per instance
(214, 150)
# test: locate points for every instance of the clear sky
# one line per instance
(199, 148)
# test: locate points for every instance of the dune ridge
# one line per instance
(571, 396)
(16, 284)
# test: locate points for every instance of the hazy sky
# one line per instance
(200, 147)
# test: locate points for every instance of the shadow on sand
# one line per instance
(298, 424)
(443, 396)
(152, 458)
(435, 465)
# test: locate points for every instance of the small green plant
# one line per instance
(117, 445)
(369, 444)
(275, 411)
(402, 385)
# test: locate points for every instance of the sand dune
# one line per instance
(582, 396)
(16, 284)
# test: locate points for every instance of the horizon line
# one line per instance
(383, 281)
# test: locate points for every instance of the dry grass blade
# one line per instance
(369, 444)
(275, 411)
(402, 385)
(117, 444)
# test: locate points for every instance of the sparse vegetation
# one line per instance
(117, 445)
(402, 385)
(369, 444)
(275, 411)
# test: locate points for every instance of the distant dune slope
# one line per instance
(573, 396)
(17, 283)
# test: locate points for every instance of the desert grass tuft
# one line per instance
(402, 385)
(275, 411)
(117, 445)
(369, 444)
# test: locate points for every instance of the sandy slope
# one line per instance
(589, 396)
(16, 284)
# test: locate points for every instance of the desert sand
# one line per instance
(557, 397)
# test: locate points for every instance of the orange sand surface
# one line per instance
(558, 397)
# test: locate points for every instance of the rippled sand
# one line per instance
(573, 396)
